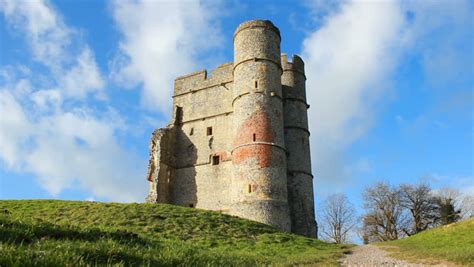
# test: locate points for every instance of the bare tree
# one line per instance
(385, 218)
(422, 206)
(467, 207)
(449, 202)
(337, 218)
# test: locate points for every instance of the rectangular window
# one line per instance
(249, 188)
(256, 84)
(215, 160)
(254, 137)
(209, 131)
(191, 132)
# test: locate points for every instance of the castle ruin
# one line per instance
(239, 140)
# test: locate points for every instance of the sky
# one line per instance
(83, 84)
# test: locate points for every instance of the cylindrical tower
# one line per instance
(300, 179)
(259, 187)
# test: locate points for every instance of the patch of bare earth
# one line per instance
(368, 255)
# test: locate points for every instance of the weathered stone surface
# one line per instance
(239, 140)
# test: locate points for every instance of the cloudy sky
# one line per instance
(84, 83)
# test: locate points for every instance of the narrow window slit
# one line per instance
(249, 188)
(256, 84)
(254, 137)
(209, 130)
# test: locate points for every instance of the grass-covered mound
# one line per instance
(72, 233)
(452, 242)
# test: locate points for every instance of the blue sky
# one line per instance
(84, 83)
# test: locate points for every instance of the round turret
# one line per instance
(293, 76)
(259, 187)
(300, 179)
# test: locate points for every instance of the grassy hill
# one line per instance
(52, 232)
(453, 242)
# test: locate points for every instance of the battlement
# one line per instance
(199, 80)
(296, 64)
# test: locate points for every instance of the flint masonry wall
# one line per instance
(238, 141)
(300, 179)
(259, 183)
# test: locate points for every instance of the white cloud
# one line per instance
(14, 129)
(43, 28)
(82, 78)
(47, 100)
(161, 40)
(54, 44)
(444, 41)
(63, 145)
(351, 57)
(347, 62)
(68, 147)
(78, 146)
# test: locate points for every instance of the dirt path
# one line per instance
(365, 256)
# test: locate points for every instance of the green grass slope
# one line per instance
(72, 233)
(453, 243)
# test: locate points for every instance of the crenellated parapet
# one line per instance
(200, 80)
(296, 64)
(293, 79)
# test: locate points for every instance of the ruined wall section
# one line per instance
(204, 134)
(300, 179)
(259, 183)
(161, 165)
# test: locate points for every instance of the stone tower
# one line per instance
(300, 179)
(239, 140)
(259, 182)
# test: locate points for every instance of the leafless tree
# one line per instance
(422, 206)
(385, 218)
(449, 201)
(337, 218)
(448, 193)
(467, 207)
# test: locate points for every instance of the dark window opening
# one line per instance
(209, 130)
(215, 160)
(249, 188)
(256, 84)
(254, 137)
(191, 132)
(191, 205)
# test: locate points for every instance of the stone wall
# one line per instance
(161, 165)
(204, 133)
